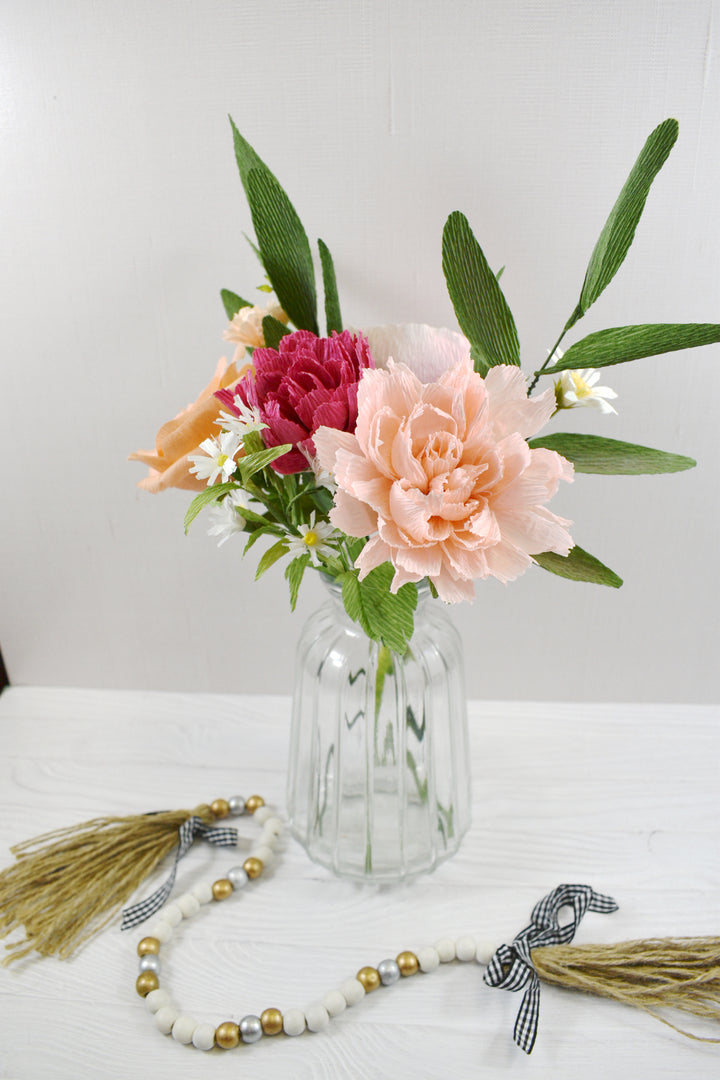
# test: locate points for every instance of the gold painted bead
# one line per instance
(148, 945)
(227, 1035)
(369, 977)
(254, 803)
(222, 888)
(407, 962)
(272, 1021)
(146, 981)
(220, 807)
(253, 867)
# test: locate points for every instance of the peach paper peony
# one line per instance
(168, 462)
(440, 477)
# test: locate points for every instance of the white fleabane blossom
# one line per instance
(323, 477)
(248, 420)
(226, 516)
(575, 388)
(218, 457)
(312, 539)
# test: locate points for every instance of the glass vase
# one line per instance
(379, 776)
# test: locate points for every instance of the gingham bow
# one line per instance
(511, 967)
(194, 826)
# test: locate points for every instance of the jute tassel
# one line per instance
(68, 884)
(678, 973)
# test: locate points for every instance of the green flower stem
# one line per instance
(550, 355)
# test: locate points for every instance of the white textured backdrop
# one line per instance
(122, 217)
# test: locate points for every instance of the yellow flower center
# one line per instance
(581, 387)
(310, 538)
(221, 459)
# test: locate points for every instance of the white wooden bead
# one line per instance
(334, 1002)
(274, 824)
(353, 991)
(428, 958)
(165, 1018)
(204, 1037)
(484, 952)
(183, 1029)
(203, 893)
(316, 1017)
(293, 1020)
(265, 854)
(171, 913)
(156, 999)
(466, 947)
(268, 838)
(188, 904)
(161, 930)
(445, 949)
(263, 814)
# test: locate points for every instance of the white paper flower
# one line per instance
(219, 457)
(226, 516)
(429, 351)
(575, 388)
(323, 478)
(248, 420)
(312, 539)
(246, 327)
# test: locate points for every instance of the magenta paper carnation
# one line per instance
(440, 477)
(307, 383)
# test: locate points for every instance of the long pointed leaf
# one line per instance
(232, 302)
(620, 344)
(253, 463)
(579, 565)
(595, 454)
(285, 249)
(283, 245)
(273, 331)
(271, 556)
(333, 318)
(619, 230)
(480, 306)
(209, 495)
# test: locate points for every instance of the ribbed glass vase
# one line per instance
(379, 777)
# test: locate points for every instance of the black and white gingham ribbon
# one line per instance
(193, 827)
(511, 967)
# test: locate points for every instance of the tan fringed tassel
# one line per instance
(68, 884)
(678, 973)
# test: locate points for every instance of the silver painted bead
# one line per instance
(237, 875)
(149, 962)
(250, 1029)
(388, 971)
(237, 805)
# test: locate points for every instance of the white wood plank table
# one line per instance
(624, 798)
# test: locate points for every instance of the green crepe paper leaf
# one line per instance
(209, 495)
(232, 302)
(579, 565)
(333, 318)
(481, 309)
(285, 249)
(294, 573)
(619, 229)
(385, 617)
(620, 344)
(262, 530)
(253, 463)
(273, 330)
(271, 556)
(595, 454)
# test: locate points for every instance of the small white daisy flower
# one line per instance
(312, 539)
(226, 516)
(248, 420)
(219, 457)
(323, 477)
(575, 388)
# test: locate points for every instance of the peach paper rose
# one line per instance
(178, 438)
(440, 477)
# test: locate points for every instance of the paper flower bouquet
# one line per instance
(383, 457)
